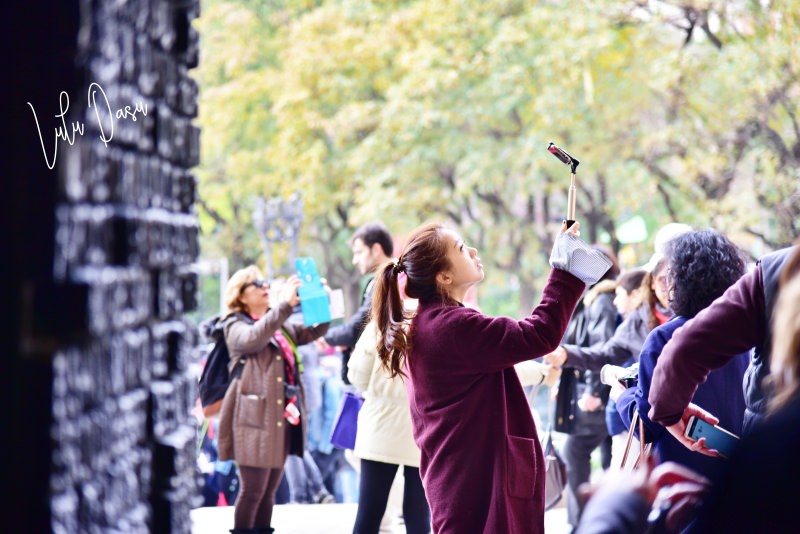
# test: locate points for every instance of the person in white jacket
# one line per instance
(384, 442)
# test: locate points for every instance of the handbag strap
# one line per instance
(531, 400)
(630, 439)
(644, 448)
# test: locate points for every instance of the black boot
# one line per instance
(245, 531)
(262, 530)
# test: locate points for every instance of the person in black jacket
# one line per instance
(372, 246)
(594, 322)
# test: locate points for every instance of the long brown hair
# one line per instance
(423, 257)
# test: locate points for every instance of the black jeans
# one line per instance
(373, 492)
(329, 466)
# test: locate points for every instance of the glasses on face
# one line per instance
(665, 279)
(257, 283)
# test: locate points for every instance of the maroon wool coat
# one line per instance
(482, 465)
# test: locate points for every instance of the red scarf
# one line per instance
(291, 413)
(660, 316)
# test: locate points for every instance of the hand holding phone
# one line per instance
(716, 438)
(287, 290)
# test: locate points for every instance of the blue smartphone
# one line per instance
(716, 438)
(313, 297)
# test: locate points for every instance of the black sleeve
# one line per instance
(347, 335)
(601, 325)
(626, 342)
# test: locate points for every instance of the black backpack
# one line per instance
(215, 378)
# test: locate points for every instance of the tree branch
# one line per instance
(214, 214)
(663, 178)
(763, 237)
(713, 38)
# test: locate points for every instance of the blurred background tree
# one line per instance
(407, 111)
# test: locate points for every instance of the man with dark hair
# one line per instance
(372, 247)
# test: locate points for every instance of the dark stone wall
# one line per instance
(99, 251)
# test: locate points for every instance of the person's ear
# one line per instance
(444, 278)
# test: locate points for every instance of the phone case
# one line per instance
(716, 438)
(313, 297)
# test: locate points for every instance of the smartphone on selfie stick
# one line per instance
(564, 157)
(716, 437)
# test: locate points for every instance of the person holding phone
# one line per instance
(263, 416)
(701, 265)
(738, 320)
(480, 458)
(715, 437)
(760, 479)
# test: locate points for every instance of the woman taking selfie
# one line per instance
(481, 461)
(263, 416)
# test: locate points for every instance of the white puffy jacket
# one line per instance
(384, 422)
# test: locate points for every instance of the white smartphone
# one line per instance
(716, 437)
(337, 304)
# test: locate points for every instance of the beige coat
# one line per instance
(384, 422)
(252, 427)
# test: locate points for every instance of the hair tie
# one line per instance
(399, 267)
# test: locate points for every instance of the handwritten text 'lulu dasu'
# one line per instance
(78, 127)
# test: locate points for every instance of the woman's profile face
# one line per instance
(255, 296)
(624, 301)
(660, 286)
(466, 268)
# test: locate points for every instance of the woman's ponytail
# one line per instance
(389, 315)
(424, 256)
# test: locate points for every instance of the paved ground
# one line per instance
(323, 519)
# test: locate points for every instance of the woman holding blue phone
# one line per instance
(263, 414)
(702, 264)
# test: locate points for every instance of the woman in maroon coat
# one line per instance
(481, 463)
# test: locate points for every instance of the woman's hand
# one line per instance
(668, 486)
(678, 429)
(616, 391)
(589, 403)
(557, 358)
(552, 376)
(326, 287)
(609, 375)
(289, 290)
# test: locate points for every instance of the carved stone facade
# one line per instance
(103, 232)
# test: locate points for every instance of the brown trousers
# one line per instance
(257, 489)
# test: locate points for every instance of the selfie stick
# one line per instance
(564, 157)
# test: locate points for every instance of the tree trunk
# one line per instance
(527, 297)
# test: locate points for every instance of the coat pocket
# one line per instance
(251, 410)
(520, 467)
